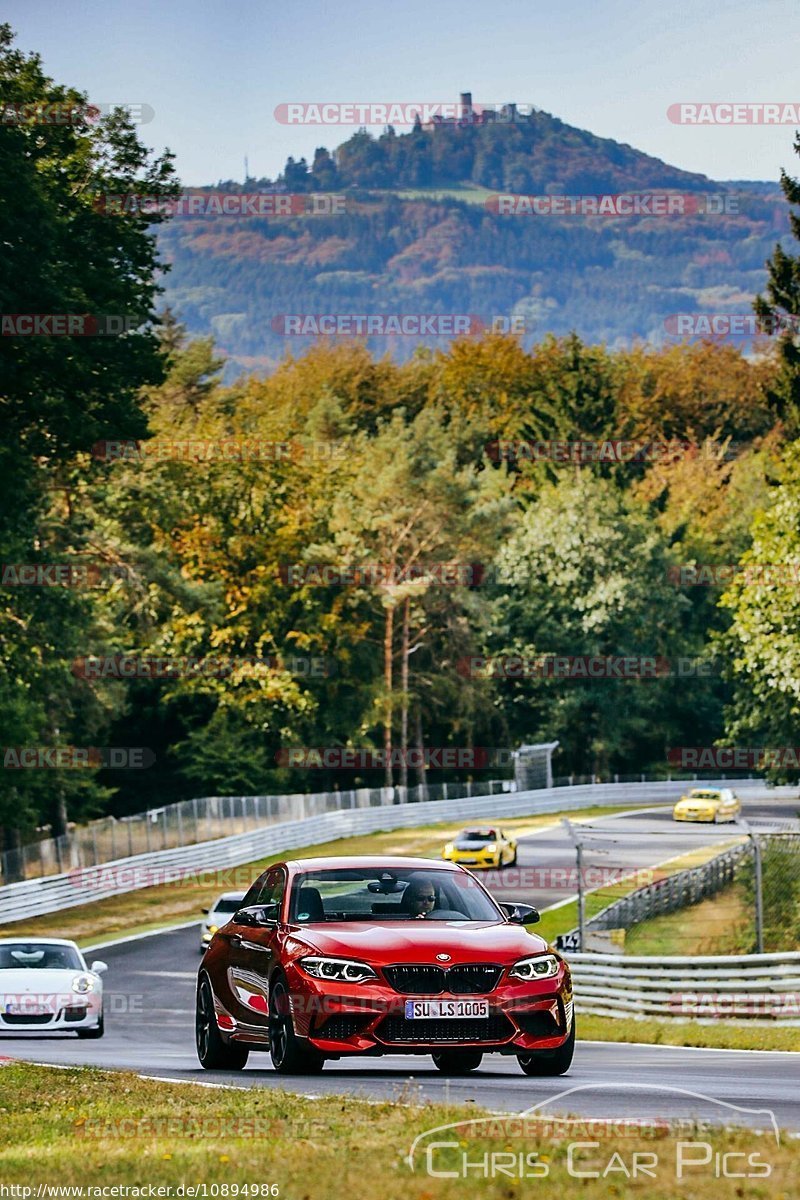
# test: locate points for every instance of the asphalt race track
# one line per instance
(150, 989)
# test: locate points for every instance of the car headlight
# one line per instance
(540, 966)
(213, 928)
(83, 984)
(491, 848)
(343, 970)
(448, 848)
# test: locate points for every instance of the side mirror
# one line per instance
(257, 915)
(205, 911)
(98, 967)
(521, 914)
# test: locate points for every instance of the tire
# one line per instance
(93, 1033)
(513, 862)
(213, 1053)
(550, 1062)
(289, 1055)
(457, 1062)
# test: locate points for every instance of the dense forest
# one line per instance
(533, 152)
(394, 243)
(369, 544)
(609, 280)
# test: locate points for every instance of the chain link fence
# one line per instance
(203, 820)
(756, 882)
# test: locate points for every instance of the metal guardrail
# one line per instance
(671, 893)
(189, 822)
(35, 897)
(756, 987)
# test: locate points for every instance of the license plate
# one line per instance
(25, 1010)
(468, 861)
(437, 1010)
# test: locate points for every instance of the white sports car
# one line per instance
(46, 986)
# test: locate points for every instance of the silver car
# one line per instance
(219, 914)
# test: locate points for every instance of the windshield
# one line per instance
(228, 906)
(377, 894)
(475, 837)
(698, 794)
(39, 956)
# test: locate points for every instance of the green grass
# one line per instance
(565, 918)
(671, 1032)
(149, 909)
(720, 925)
(89, 1128)
(467, 193)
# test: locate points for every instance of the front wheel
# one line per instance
(97, 1032)
(550, 1062)
(213, 1053)
(457, 1062)
(289, 1055)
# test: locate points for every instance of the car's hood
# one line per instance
(696, 802)
(421, 941)
(27, 982)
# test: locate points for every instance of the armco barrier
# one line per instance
(35, 897)
(672, 893)
(760, 987)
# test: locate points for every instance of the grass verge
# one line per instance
(149, 909)
(672, 1032)
(564, 918)
(723, 924)
(95, 1129)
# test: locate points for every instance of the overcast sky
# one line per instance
(214, 73)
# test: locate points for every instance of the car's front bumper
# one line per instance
(474, 862)
(65, 1014)
(705, 814)
(339, 1019)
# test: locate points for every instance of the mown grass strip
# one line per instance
(89, 1128)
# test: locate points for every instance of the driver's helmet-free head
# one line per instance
(419, 896)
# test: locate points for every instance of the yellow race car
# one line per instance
(708, 804)
(486, 846)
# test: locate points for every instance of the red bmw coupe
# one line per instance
(369, 956)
